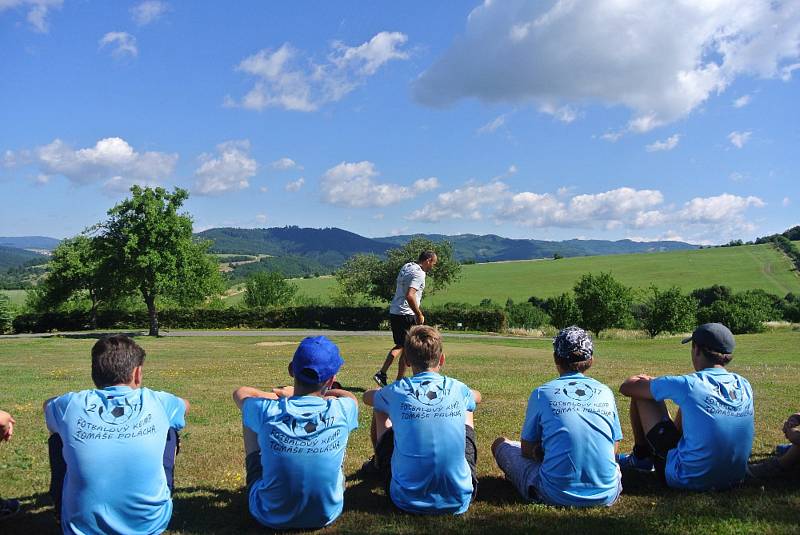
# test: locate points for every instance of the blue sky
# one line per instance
(546, 120)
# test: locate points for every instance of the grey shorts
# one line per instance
(523, 473)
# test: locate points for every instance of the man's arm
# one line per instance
(244, 392)
(637, 387)
(411, 298)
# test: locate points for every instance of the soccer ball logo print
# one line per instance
(430, 392)
(579, 391)
(116, 415)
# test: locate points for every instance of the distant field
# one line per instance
(211, 498)
(17, 296)
(742, 268)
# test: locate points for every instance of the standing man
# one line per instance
(404, 312)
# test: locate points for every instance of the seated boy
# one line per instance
(295, 440)
(8, 508)
(112, 449)
(570, 434)
(787, 456)
(423, 432)
(708, 444)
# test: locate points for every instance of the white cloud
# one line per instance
(111, 161)
(737, 176)
(786, 72)
(738, 139)
(462, 203)
(668, 144)
(288, 79)
(230, 170)
(38, 10)
(148, 11)
(786, 201)
(534, 210)
(295, 185)
(569, 53)
(263, 189)
(426, 184)
(492, 125)
(353, 184)
(565, 114)
(261, 219)
(123, 44)
(742, 101)
(283, 164)
(721, 208)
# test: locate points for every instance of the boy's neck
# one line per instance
(301, 389)
(417, 371)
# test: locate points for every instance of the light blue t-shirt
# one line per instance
(114, 442)
(302, 441)
(717, 416)
(575, 418)
(429, 471)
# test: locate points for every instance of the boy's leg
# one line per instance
(520, 471)
(791, 458)
(171, 449)
(58, 471)
(654, 432)
(471, 451)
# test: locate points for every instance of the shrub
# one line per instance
(745, 312)
(563, 311)
(708, 296)
(268, 289)
(603, 301)
(6, 313)
(526, 316)
(667, 311)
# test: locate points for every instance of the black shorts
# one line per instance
(663, 437)
(385, 448)
(400, 326)
(253, 469)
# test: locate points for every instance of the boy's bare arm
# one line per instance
(244, 392)
(6, 425)
(476, 395)
(340, 393)
(637, 387)
(369, 396)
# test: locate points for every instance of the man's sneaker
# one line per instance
(765, 469)
(781, 449)
(8, 508)
(628, 461)
(380, 378)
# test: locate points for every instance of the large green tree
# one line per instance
(667, 311)
(75, 269)
(603, 301)
(376, 278)
(147, 245)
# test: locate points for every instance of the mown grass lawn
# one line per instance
(210, 497)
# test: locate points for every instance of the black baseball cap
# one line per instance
(713, 336)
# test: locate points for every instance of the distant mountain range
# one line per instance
(300, 251)
(12, 257)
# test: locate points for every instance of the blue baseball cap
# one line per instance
(316, 360)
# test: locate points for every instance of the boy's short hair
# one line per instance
(423, 347)
(113, 360)
(722, 359)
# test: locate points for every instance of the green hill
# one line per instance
(13, 257)
(742, 268)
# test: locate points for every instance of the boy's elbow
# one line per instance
(626, 388)
(477, 396)
(187, 405)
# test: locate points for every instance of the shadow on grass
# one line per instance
(36, 516)
(95, 335)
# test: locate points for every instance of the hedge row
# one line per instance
(305, 317)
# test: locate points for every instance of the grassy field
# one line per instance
(742, 268)
(210, 497)
(17, 296)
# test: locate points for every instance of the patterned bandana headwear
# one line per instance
(573, 344)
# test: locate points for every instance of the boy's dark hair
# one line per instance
(425, 255)
(423, 347)
(722, 359)
(113, 360)
(579, 367)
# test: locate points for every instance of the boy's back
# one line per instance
(113, 445)
(717, 419)
(575, 418)
(302, 441)
(430, 473)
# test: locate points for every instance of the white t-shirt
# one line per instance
(410, 276)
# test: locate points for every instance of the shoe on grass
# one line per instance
(380, 378)
(629, 461)
(8, 508)
(768, 469)
(781, 449)
(369, 468)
